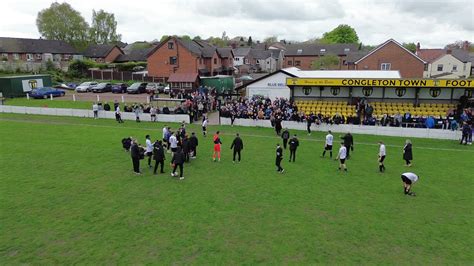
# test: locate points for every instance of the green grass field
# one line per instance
(68, 196)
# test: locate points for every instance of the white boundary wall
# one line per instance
(89, 113)
(355, 129)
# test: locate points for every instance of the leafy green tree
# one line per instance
(249, 41)
(79, 68)
(61, 22)
(164, 37)
(216, 41)
(326, 62)
(185, 37)
(271, 39)
(341, 34)
(104, 28)
(411, 46)
(197, 38)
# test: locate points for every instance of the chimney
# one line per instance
(465, 46)
(418, 46)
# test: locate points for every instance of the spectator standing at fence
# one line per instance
(107, 107)
(217, 147)
(278, 124)
(153, 114)
(294, 143)
(382, 154)
(407, 153)
(237, 146)
(137, 109)
(279, 158)
(328, 144)
(95, 109)
(159, 156)
(193, 143)
(116, 103)
(204, 126)
(118, 115)
(348, 144)
(178, 161)
(285, 135)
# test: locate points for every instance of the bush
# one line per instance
(79, 68)
(130, 66)
(50, 65)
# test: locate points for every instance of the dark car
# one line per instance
(137, 88)
(119, 88)
(46, 92)
(102, 87)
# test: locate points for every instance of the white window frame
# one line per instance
(38, 56)
(455, 68)
(29, 57)
(299, 51)
(439, 65)
(16, 56)
(322, 51)
(385, 66)
(246, 61)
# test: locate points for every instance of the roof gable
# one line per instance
(100, 50)
(383, 45)
(267, 76)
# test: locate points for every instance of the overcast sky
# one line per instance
(433, 23)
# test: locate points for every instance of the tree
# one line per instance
(62, 22)
(104, 28)
(164, 37)
(459, 45)
(225, 37)
(197, 38)
(216, 41)
(341, 34)
(326, 62)
(411, 46)
(271, 39)
(249, 41)
(185, 37)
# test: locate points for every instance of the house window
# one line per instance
(29, 57)
(455, 68)
(215, 61)
(16, 56)
(385, 66)
(187, 85)
(299, 51)
(57, 57)
(246, 61)
(346, 50)
(173, 60)
(426, 67)
(200, 61)
(440, 67)
(322, 51)
(268, 62)
(38, 56)
(297, 63)
(5, 57)
(170, 45)
(237, 58)
(290, 63)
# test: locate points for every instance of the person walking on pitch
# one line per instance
(193, 143)
(285, 135)
(328, 144)
(342, 156)
(178, 161)
(349, 144)
(159, 156)
(408, 179)
(217, 147)
(279, 158)
(294, 143)
(204, 126)
(407, 153)
(382, 154)
(237, 146)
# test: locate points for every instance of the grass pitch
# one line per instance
(68, 195)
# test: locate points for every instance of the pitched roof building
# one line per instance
(445, 63)
(35, 50)
(103, 53)
(302, 55)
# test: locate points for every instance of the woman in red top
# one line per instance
(217, 147)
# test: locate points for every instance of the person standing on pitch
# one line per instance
(204, 126)
(173, 142)
(285, 135)
(149, 149)
(342, 156)
(408, 180)
(349, 144)
(294, 143)
(328, 144)
(135, 154)
(237, 146)
(217, 147)
(178, 161)
(309, 121)
(279, 158)
(193, 143)
(382, 154)
(185, 147)
(407, 153)
(159, 156)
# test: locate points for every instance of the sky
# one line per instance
(433, 23)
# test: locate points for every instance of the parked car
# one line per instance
(152, 87)
(137, 87)
(119, 88)
(86, 86)
(166, 89)
(69, 86)
(102, 87)
(46, 92)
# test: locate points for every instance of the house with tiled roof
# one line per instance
(103, 53)
(445, 63)
(302, 55)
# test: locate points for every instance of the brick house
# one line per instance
(175, 55)
(302, 55)
(391, 55)
(445, 63)
(103, 53)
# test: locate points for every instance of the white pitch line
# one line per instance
(226, 134)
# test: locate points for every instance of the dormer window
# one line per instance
(346, 50)
(322, 51)
(299, 51)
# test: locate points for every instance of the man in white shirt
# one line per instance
(408, 180)
(342, 157)
(173, 143)
(95, 109)
(382, 153)
(328, 144)
(148, 149)
(204, 126)
(165, 130)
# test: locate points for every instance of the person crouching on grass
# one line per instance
(217, 147)
(341, 156)
(382, 154)
(408, 180)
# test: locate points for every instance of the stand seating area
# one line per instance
(326, 108)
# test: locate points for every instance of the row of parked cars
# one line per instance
(135, 88)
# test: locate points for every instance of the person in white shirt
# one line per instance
(341, 156)
(382, 153)
(148, 149)
(165, 130)
(173, 143)
(328, 144)
(118, 115)
(153, 114)
(204, 126)
(95, 109)
(408, 180)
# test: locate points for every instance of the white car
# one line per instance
(86, 86)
